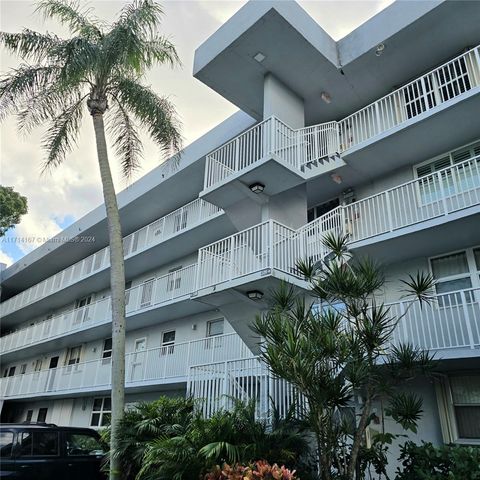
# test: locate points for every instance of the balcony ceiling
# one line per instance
(418, 36)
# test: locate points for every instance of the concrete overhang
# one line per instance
(307, 60)
(164, 189)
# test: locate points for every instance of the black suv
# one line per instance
(44, 451)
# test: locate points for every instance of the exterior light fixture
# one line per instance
(325, 97)
(380, 49)
(257, 187)
(336, 178)
(255, 295)
(259, 57)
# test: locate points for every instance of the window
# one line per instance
(82, 444)
(101, 412)
(6, 443)
(146, 295)
(107, 348)
(168, 340)
(38, 365)
(322, 209)
(42, 414)
(11, 371)
(174, 279)
(128, 286)
(454, 272)
(73, 355)
(466, 405)
(28, 417)
(81, 306)
(23, 369)
(452, 181)
(39, 444)
(82, 302)
(5, 372)
(180, 221)
(214, 328)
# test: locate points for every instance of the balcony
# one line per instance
(256, 257)
(155, 237)
(449, 326)
(447, 200)
(144, 370)
(280, 157)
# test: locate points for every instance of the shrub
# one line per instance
(260, 470)
(449, 462)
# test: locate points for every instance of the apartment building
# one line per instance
(376, 136)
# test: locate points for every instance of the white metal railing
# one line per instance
(141, 297)
(444, 83)
(318, 143)
(438, 194)
(216, 385)
(167, 362)
(156, 232)
(452, 320)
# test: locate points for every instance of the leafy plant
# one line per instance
(426, 462)
(12, 207)
(338, 348)
(231, 437)
(258, 470)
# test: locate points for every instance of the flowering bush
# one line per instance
(260, 470)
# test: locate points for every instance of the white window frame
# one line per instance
(37, 365)
(137, 353)
(446, 409)
(101, 412)
(168, 347)
(473, 273)
(172, 284)
(72, 362)
(107, 351)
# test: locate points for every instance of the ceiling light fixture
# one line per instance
(325, 97)
(259, 57)
(336, 178)
(255, 295)
(380, 49)
(257, 187)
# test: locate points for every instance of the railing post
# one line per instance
(467, 319)
(442, 193)
(237, 155)
(225, 387)
(389, 210)
(424, 93)
(270, 242)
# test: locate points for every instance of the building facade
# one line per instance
(376, 136)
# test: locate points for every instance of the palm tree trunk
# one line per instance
(117, 285)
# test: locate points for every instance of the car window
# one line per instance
(39, 444)
(6, 442)
(83, 444)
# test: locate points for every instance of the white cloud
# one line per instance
(6, 259)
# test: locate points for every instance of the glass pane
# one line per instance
(6, 442)
(95, 420)
(42, 415)
(26, 444)
(107, 345)
(476, 254)
(107, 404)
(453, 285)
(465, 389)
(106, 419)
(215, 328)
(468, 422)
(455, 264)
(97, 404)
(83, 444)
(168, 337)
(45, 443)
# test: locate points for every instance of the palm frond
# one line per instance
(62, 135)
(420, 286)
(23, 83)
(156, 114)
(29, 44)
(70, 14)
(126, 141)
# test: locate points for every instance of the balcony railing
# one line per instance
(147, 366)
(271, 245)
(431, 196)
(156, 232)
(318, 143)
(142, 297)
(452, 320)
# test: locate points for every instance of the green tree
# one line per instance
(12, 207)
(335, 346)
(99, 69)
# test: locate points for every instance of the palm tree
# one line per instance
(100, 67)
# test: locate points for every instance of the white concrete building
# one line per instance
(376, 135)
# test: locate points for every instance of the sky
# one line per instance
(58, 199)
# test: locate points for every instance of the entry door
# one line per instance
(138, 359)
(52, 372)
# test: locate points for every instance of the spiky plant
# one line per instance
(99, 69)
